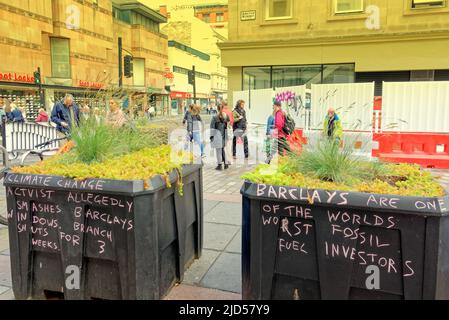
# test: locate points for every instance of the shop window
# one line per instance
(349, 6)
(425, 4)
(60, 58)
(296, 75)
(139, 72)
(279, 9)
(256, 78)
(206, 17)
(220, 17)
(338, 73)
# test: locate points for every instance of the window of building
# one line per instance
(185, 71)
(122, 15)
(349, 6)
(425, 4)
(279, 9)
(139, 72)
(285, 76)
(338, 73)
(60, 58)
(296, 75)
(256, 78)
(206, 17)
(220, 17)
(145, 22)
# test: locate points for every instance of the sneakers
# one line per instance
(219, 167)
(226, 166)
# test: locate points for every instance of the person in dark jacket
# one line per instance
(64, 114)
(219, 136)
(239, 128)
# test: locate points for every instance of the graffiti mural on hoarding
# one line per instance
(292, 101)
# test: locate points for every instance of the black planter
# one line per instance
(125, 242)
(316, 244)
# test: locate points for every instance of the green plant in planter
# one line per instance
(327, 166)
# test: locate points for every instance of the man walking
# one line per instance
(65, 113)
(240, 127)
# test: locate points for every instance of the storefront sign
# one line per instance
(87, 84)
(248, 15)
(180, 95)
(16, 77)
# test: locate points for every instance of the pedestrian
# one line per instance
(85, 112)
(115, 116)
(279, 143)
(187, 114)
(14, 114)
(219, 136)
(65, 115)
(332, 128)
(194, 127)
(230, 124)
(152, 112)
(2, 109)
(240, 128)
(42, 116)
(269, 134)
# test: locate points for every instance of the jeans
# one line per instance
(221, 155)
(278, 145)
(196, 139)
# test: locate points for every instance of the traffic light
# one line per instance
(37, 77)
(191, 77)
(128, 66)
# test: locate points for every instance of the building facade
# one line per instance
(182, 58)
(75, 45)
(274, 43)
(216, 15)
(189, 34)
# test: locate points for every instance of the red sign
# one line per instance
(87, 84)
(15, 77)
(180, 95)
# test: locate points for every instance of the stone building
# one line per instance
(75, 45)
(275, 43)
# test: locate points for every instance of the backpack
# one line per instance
(289, 124)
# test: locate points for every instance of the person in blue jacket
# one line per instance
(65, 113)
(13, 113)
(269, 135)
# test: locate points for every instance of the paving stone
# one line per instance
(7, 295)
(5, 271)
(227, 213)
(217, 236)
(208, 205)
(235, 246)
(199, 268)
(225, 273)
(188, 292)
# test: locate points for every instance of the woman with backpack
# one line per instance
(219, 136)
(279, 134)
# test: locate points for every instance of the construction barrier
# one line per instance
(430, 150)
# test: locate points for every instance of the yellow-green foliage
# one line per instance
(402, 179)
(139, 165)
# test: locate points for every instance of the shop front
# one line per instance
(20, 89)
(180, 101)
